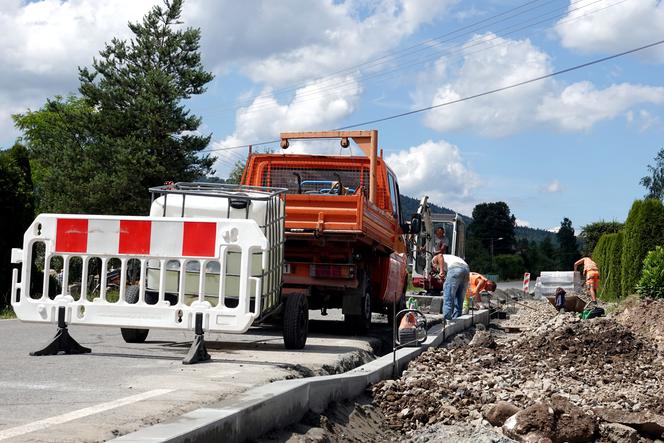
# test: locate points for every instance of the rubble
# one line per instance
(558, 374)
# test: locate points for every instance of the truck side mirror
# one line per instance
(416, 224)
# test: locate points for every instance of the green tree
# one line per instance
(129, 130)
(235, 176)
(493, 225)
(608, 256)
(651, 283)
(643, 231)
(654, 183)
(16, 209)
(591, 233)
(568, 251)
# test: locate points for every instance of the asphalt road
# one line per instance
(122, 387)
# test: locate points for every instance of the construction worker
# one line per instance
(455, 271)
(440, 243)
(476, 284)
(591, 272)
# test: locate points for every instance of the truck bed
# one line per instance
(321, 215)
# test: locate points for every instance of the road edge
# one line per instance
(282, 403)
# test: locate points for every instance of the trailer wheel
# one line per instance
(131, 335)
(360, 324)
(296, 321)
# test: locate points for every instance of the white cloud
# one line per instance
(615, 27)
(435, 169)
(553, 187)
(500, 114)
(330, 36)
(523, 223)
(581, 105)
(265, 118)
(575, 107)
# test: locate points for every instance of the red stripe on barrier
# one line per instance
(71, 235)
(198, 239)
(135, 237)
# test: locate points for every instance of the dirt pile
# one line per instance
(591, 364)
(646, 319)
(530, 314)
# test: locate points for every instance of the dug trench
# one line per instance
(559, 379)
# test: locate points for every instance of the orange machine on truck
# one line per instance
(344, 230)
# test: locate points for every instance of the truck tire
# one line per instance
(131, 335)
(360, 324)
(296, 321)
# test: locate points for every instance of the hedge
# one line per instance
(643, 232)
(607, 254)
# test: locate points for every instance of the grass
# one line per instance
(7, 313)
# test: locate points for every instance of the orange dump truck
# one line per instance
(344, 231)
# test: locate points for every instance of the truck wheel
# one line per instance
(360, 324)
(296, 321)
(133, 335)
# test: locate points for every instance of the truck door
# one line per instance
(396, 277)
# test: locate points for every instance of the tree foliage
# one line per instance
(16, 209)
(591, 233)
(235, 176)
(494, 223)
(651, 283)
(643, 232)
(608, 256)
(129, 129)
(654, 183)
(568, 251)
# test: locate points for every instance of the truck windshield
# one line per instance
(303, 180)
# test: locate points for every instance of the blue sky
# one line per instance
(573, 146)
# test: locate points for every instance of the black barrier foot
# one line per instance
(198, 352)
(62, 342)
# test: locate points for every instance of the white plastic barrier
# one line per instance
(206, 242)
(548, 281)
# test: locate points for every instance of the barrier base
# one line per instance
(198, 352)
(62, 342)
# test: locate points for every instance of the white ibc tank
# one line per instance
(212, 207)
(216, 207)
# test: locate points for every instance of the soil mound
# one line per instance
(645, 319)
(591, 363)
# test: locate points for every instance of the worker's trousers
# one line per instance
(454, 291)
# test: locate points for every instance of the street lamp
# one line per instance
(492, 240)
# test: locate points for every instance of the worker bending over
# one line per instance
(476, 284)
(591, 272)
(455, 271)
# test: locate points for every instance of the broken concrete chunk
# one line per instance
(617, 433)
(497, 414)
(482, 339)
(645, 423)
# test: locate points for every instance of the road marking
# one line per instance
(59, 419)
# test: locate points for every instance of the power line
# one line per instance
(426, 43)
(505, 88)
(457, 50)
(470, 97)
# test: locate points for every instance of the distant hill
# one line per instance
(535, 234)
(409, 206)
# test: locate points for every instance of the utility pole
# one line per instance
(492, 239)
